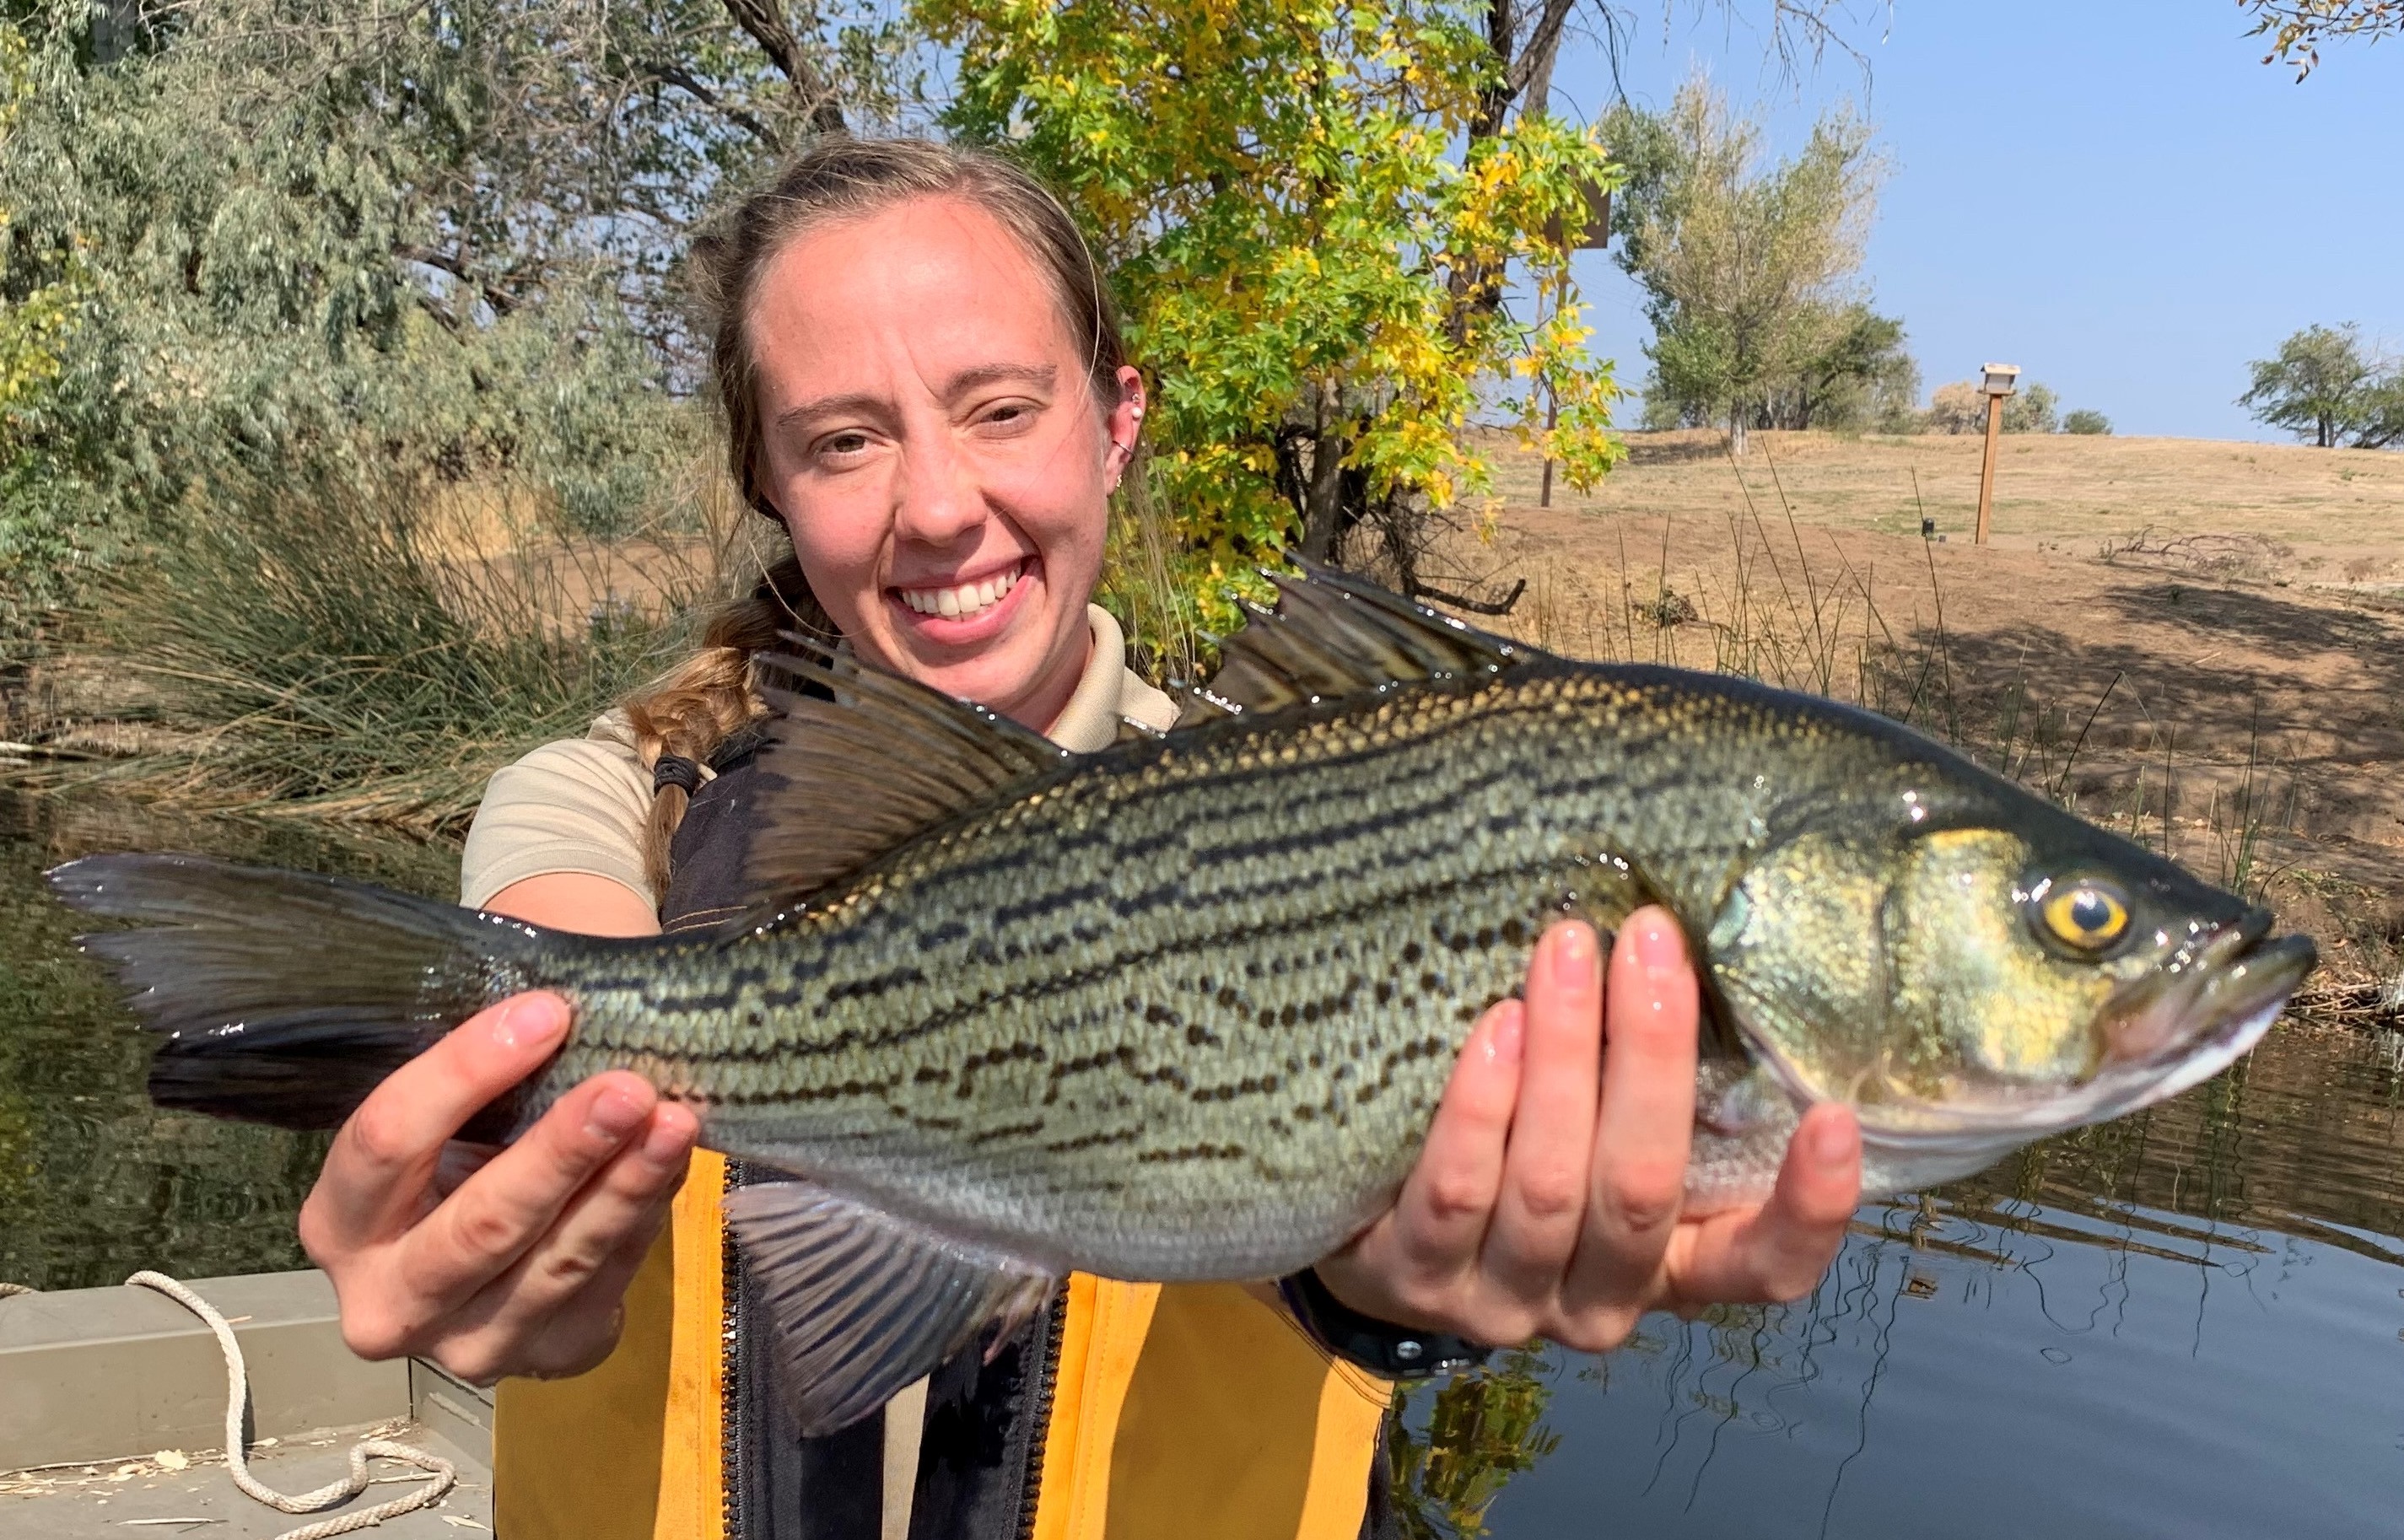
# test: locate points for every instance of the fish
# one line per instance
(1183, 1009)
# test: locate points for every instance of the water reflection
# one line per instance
(95, 1182)
(2185, 1323)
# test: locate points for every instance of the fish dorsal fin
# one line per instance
(861, 761)
(864, 1302)
(1333, 634)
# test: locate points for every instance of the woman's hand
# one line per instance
(1545, 1202)
(518, 1267)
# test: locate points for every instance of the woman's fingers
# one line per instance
(1780, 1250)
(481, 1231)
(1414, 1264)
(377, 1173)
(554, 1310)
(1646, 1123)
(1541, 1206)
(1448, 1200)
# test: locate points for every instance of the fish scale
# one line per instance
(1183, 1009)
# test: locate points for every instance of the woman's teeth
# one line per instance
(964, 601)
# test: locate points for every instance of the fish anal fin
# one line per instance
(1333, 635)
(859, 762)
(863, 1302)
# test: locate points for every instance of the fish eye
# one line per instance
(2086, 916)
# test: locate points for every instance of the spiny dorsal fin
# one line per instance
(1333, 635)
(873, 760)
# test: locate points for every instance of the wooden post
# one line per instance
(1986, 471)
(1552, 421)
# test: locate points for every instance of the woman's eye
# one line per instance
(2087, 915)
(843, 443)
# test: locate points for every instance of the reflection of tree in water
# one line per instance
(2302, 1139)
(1479, 1430)
(95, 1183)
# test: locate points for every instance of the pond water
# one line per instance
(2188, 1322)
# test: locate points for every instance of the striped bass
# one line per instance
(1183, 1009)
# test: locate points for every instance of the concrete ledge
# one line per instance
(105, 1374)
(460, 1412)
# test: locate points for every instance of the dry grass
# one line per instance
(2338, 513)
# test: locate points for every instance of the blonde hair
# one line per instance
(688, 711)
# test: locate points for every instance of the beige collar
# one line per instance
(1106, 691)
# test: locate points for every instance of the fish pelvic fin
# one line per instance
(859, 762)
(1334, 635)
(864, 1302)
(284, 997)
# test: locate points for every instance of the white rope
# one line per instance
(238, 1460)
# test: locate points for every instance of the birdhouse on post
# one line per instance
(1996, 381)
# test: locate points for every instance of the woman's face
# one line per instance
(930, 435)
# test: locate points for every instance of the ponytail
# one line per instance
(688, 711)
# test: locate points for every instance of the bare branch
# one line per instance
(765, 19)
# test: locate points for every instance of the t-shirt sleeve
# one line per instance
(576, 806)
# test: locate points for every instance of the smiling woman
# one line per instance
(925, 387)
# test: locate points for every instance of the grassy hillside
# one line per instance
(2199, 643)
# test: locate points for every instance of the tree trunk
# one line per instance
(2325, 425)
(1323, 503)
(1735, 433)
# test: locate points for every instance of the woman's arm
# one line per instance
(508, 1263)
(1545, 1202)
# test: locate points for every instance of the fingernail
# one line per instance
(665, 1142)
(1660, 947)
(1509, 1036)
(1574, 956)
(1834, 1141)
(535, 1021)
(614, 1115)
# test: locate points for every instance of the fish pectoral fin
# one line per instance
(862, 1302)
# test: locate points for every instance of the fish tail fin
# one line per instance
(286, 997)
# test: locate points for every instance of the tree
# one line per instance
(1745, 266)
(1310, 210)
(434, 241)
(2086, 421)
(1862, 376)
(2297, 28)
(2031, 409)
(2323, 386)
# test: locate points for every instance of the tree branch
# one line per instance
(667, 72)
(765, 19)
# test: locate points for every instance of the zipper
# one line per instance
(1047, 1374)
(730, 1341)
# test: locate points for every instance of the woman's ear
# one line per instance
(1125, 423)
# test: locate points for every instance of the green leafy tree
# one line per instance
(433, 243)
(1744, 265)
(1862, 376)
(1312, 210)
(2321, 386)
(2086, 421)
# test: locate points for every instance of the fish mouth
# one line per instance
(2175, 1026)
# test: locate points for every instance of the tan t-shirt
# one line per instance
(580, 804)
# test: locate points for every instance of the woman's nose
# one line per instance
(938, 498)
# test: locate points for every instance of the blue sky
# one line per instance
(2114, 195)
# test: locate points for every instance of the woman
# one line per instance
(925, 386)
